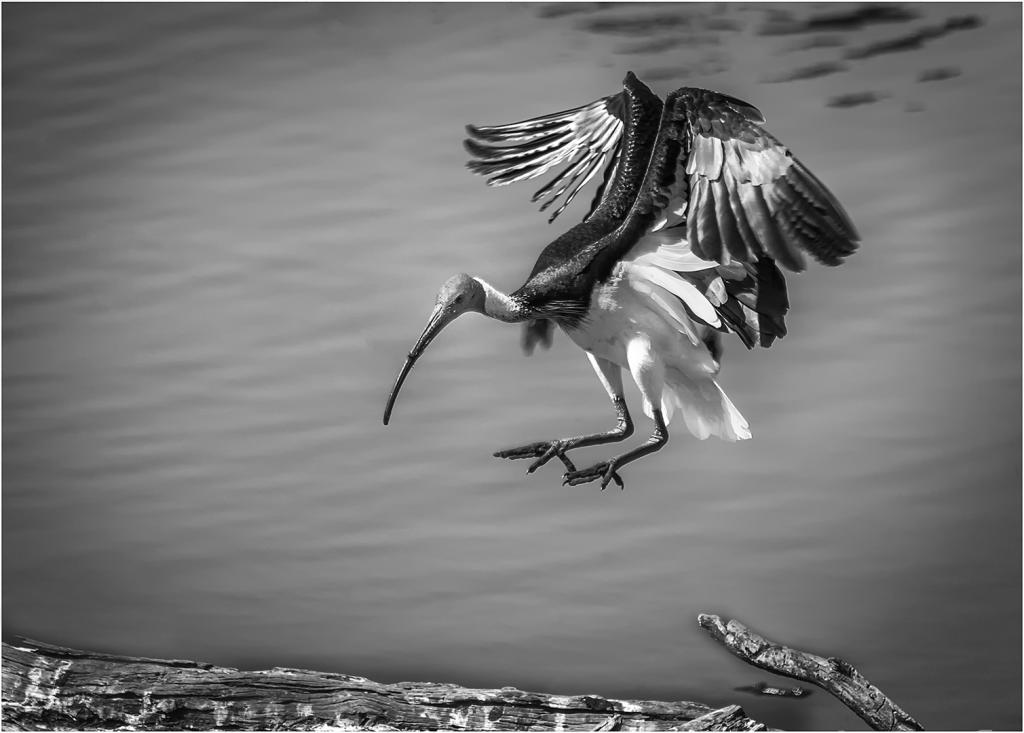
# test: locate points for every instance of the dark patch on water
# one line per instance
(855, 99)
(636, 26)
(558, 10)
(857, 19)
(656, 45)
(706, 67)
(939, 74)
(915, 40)
(816, 42)
(666, 73)
(808, 72)
(784, 24)
(702, 39)
(723, 24)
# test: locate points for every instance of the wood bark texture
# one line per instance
(49, 687)
(832, 674)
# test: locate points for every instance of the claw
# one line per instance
(604, 471)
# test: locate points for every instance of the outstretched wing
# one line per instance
(735, 191)
(580, 139)
(722, 200)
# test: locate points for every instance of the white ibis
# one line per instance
(698, 206)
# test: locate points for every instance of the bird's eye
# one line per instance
(458, 298)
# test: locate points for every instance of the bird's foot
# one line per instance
(605, 470)
(543, 451)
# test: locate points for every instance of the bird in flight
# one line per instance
(698, 208)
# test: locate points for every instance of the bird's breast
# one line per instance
(619, 312)
(615, 316)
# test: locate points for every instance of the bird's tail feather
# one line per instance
(705, 408)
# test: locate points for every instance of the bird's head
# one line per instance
(460, 294)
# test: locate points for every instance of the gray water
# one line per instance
(223, 226)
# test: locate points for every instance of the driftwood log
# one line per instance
(48, 687)
(51, 688)
(831, 674)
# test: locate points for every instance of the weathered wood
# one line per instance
(727, 718)
(832, 674)
(52, 688)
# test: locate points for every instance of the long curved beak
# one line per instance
(438, 320)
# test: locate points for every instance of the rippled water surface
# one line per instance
(223, 226)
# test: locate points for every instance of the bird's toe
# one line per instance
(612, 475)
(524, 451)
(543, 451)
(555, 448)
(604, 471)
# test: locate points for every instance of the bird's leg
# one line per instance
(611, 377)
(545, 450)
(607, 471)
(648, 370)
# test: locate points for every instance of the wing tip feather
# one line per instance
(579, 139)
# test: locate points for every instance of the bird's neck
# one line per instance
(501, 306)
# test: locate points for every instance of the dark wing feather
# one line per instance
(740, 192)
(757, 302)
(581, 139)
(786, 209)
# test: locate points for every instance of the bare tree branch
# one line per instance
(832, 674)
